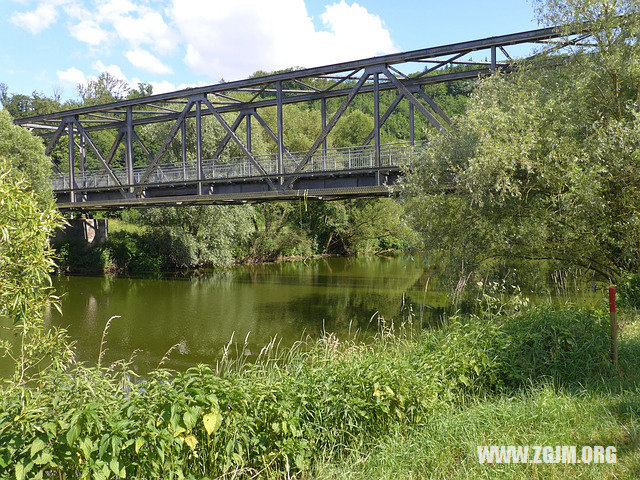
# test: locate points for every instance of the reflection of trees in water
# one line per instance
(204, 311)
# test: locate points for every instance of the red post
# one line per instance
(613, 322)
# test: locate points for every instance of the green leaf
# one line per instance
(139, 443)
(191, 441)
(20, 471)
(36, 446)
(115, 466)
(212, 422)
(44, 458)
(86, 445)
(190, 419)
(72, 435)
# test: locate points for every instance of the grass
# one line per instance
(445, 447)
(597, 411)
(409, 405)
(117, 225)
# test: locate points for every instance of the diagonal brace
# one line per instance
(431, 103)
(327, 129)
(54, 140)
(409, 96)
(93, 147)
(272, 135)
(227, 137)
(235, 138)
(114, 147)
(52, 143)
(165, 145)
(384, 118)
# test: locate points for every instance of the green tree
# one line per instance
(544, 164)
(25, 153)
(105, 88)
(199, 236)
(352, 129)
(26, 262)
(20, 106)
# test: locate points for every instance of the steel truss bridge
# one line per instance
(320, 172)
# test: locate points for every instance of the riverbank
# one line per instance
(158, 240)
(601, 409)
(345, 410)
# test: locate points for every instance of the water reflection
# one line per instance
(201, 313)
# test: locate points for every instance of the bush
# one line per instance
(73, 255)
(135, 253)
(331, 397)
(629, 290)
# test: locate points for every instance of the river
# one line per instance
(202, 312)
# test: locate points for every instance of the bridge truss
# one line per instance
(319, 172)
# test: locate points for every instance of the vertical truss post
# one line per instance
(280, 132)
(183, 129)
(325, 131)
(248, 131)
(83, 161)
(72, 163)
(376, 122)
(494, 62)
(199, 144)
(323, 109)
(412, 124)
(129, 149)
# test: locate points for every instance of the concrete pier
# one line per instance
(92, 231)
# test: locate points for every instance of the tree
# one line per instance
(25, 154)
(26, 262)
(20, 106)
(352, 129)
(105, 89)
(199, 236)
(544, 163)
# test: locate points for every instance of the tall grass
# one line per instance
(280, 418)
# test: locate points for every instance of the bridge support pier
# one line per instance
(90, 231)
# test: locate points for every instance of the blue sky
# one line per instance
(56, 44)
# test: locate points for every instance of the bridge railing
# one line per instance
(345, 159)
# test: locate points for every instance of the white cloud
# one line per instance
(354, 29)
(110, 9)
(37, 20)
(114, 70)
(234, 39)
(138, 25)
(163, 86)
(146, 61)
(88, 31)
(218, 38)
(71, 77)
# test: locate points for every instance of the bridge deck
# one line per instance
(336, 173)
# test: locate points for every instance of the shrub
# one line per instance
(629, 290)
(73, 255)
(331, 397)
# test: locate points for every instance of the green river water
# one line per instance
(203, 312)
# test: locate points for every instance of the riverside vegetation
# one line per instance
(314, 410)
(556, 182)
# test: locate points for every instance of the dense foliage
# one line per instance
(25, 264)
(25, 154)
(279, 417)
(543, 165)
(167, 239)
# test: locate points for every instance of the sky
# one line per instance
(54, 45)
